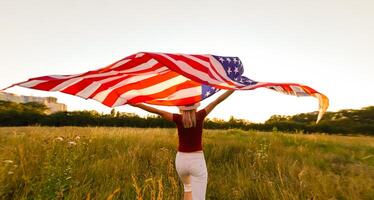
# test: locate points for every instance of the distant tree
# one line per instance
(35, 107)
(113, 112)
(347, 121)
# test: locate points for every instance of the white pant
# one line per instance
(192, 171)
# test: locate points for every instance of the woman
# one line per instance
(190, 162)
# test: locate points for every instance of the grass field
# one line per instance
(131, 163)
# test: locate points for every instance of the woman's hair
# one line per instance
(188, 118)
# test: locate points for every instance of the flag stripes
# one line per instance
(163, 79)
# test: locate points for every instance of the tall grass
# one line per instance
(132, 163)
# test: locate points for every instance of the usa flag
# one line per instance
(163, 79)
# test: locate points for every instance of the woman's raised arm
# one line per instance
(164, 114)
(212, 105)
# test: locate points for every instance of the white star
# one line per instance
(229, 71)
(221, 59)
(235, 60)
(228, 59)
(236, 70)
(207, 93)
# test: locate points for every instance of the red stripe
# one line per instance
(165, 93)
(53, 82)
(81, 85)
(177, 69)
(114, 82)
(176, 102)
(49, 84)
(308, 89)
(174, 67)
(285, 86)
(46, 78)
(228, 81)
(109, 84)
(195, 65)
(108, 68)
(112, 97)
(201, 57)
(207, 70)
(134, 62)
(153, 68)
(206, 59)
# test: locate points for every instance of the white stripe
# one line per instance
(296, 88)
(103, 94)
(119, 63)
(65, 76)
(221, 70)
(86, 92)
(142, 66)
(257, 85)
(72, 81)
(298, 91)
(90, 75)
(157, 71)
(163, 70)
(139, 55)
(184, 93)
(194, 72)
(150, 90)
(32, 83)
(206, 64)
(122, 62)
(278, 88)
(66, 84)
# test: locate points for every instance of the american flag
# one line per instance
(163, 79)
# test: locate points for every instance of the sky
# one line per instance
(325, 44)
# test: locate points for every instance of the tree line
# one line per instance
(349, 121)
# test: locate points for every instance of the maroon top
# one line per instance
(190, 138)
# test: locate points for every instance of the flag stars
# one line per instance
(236, 70)
(221, 59)
(235, 60)
(229, 71)
(228, 59)
(207, 93)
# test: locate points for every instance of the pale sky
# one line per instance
(327, 45)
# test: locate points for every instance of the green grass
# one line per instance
(131, 163)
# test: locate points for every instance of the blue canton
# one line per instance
(234, 70)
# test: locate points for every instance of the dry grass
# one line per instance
(131, 163)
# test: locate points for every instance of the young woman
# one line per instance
(190, 161)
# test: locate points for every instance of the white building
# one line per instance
(50, 102)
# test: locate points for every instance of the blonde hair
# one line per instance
(188, 118)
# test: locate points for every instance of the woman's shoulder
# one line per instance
(176, 117)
